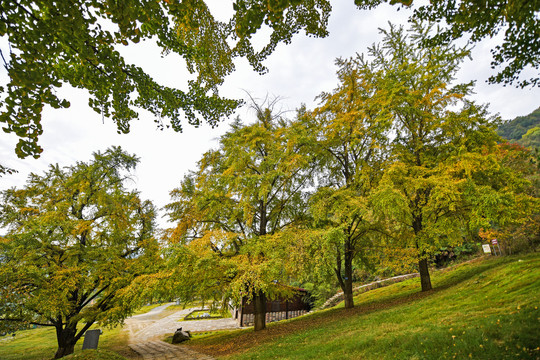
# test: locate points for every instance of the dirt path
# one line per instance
(146, 332)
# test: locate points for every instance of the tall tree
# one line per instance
(436, 132)
(349, 141)
(76, 240)
(243, 194)
(55, 43)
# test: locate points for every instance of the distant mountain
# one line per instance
(524, 130)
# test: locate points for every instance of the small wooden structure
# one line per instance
(276, 310)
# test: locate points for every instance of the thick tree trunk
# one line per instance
(259, 298)
(425, 280)
(348, 281)
(64, 351)
(66, 340)
(259, 302)
(423, 269)
(348, 294)
(345, 279)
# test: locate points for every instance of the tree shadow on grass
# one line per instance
(241, 341)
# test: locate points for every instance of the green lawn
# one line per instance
(40, 344)
(486, 309)
(94, 355)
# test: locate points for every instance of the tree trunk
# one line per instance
(423, 269)
(348, 294)
(425, 280)
(66, 340)
(259, 302)
(348, 281)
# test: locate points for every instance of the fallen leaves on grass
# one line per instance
(245, 340)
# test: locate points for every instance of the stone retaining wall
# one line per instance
(334, 300)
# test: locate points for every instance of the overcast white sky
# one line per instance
(297, 73)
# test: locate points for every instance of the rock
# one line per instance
(180, 336)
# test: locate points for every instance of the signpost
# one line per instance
(494, 242)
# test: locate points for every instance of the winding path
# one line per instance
(147, 330)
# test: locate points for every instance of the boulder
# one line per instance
(180, 336)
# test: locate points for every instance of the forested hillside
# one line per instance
(524, 130)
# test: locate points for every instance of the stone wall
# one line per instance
(334, 300)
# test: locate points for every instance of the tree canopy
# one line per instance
(478, 20)
(76, 239)
(53, 43)
(229, 211)
(407, 156)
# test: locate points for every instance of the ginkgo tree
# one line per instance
(438, 135)
(230, 210)
(76, 239)
(348, 143)
(401, 152)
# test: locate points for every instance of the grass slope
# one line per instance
(94, 355)
(485, 309)
(40, 344)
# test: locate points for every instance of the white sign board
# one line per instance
(487, 249)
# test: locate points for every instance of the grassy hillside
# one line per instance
(485, 309)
